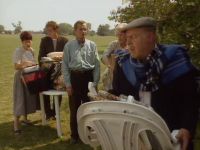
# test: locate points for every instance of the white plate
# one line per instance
(55, 55)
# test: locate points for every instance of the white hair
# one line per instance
(119, 27)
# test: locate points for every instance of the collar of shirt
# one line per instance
(81, 43)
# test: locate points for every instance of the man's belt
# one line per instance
(81, 71)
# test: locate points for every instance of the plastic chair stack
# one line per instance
(117, 125)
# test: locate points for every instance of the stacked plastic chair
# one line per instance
(117, 125)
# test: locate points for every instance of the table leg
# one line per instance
(58, 124)
(42, 109)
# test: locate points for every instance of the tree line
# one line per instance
(64, 29)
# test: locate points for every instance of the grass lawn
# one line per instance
(35, 137)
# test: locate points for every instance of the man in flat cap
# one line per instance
(161, 76)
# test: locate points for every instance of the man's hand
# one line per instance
(184, 137)
(69, 90)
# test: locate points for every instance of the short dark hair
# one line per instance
(52, 24)
(25, 35)
(79, 22)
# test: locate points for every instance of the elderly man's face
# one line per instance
(81, 31)
(139, 43)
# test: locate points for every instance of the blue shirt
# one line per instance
(80, 57)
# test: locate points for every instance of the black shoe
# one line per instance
(74, 141)
(53, 117)
(26, 123)
(50, 118)
(17, 132)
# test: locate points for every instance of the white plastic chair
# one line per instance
(123, 126)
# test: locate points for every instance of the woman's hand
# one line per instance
(27, 64)
(23, 65)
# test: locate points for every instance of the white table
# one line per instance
(55, 94)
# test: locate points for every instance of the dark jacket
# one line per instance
(121, 85)
(177, 102)
(46, 46)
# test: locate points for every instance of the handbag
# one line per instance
(35, 79)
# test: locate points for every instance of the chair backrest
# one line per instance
(122, 126)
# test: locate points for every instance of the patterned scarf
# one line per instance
(153, 66)
(163, 65)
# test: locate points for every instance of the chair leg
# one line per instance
(58, 124)
(42, 109)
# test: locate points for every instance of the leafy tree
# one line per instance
(8, 32)
(1, 28)
(65, 28)
(112, 32)
(18, 27)
(89, 26)
(103, 30)
(92, 33)
(178, 20)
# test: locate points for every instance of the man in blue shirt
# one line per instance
(80, 66)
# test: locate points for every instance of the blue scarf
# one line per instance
(162, 66)
(133, 70)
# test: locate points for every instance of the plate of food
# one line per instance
(46, 60)
(57, 56)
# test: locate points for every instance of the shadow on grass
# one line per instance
(40, 137)
(64, 145)
(30, 136)
(36, 137)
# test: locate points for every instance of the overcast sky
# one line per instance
(35, 13)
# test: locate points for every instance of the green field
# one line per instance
(35, 137)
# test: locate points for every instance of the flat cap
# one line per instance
(141, 22)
